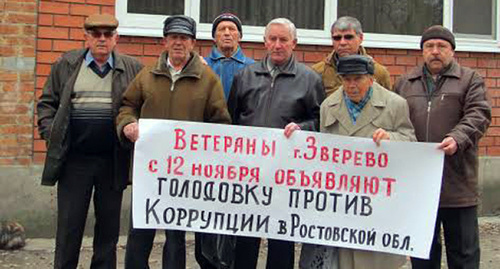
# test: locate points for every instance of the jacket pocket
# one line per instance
(450, 101)
(384, 123)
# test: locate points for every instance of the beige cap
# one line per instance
(100, 20)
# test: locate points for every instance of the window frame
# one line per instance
(132, 24)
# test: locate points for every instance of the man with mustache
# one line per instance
(76, 116)
(178, 87)
(448, 105)
(277, 92)
(347, 36)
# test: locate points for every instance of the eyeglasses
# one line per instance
(98, 34)
(346, 37)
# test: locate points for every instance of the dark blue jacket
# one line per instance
(226, 68)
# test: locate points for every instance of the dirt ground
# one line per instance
(39, 253)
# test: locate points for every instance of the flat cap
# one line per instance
(100, 20)
(226, 17)
(438, 32)
(355, 65)
(179, 24)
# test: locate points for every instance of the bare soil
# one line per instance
(39, 253)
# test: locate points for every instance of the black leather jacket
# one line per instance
(294, 95)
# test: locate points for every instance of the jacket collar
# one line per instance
(332, 58)
(78, 56)
(289, 68)
(193, 68)
(338, 110)
(453, 71)
(216, 55)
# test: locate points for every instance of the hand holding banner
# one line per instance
(313, 187)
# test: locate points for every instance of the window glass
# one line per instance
(474, 17)
(156, 7)
(304, 14)
(402, 17)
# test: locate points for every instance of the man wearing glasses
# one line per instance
(76, 115)
(347, 37)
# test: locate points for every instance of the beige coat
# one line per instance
(384, 110)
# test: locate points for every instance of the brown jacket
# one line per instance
(196, 96)
(332, 81)
(458, 108)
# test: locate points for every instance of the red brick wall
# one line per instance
(17, 52)
(60, 29)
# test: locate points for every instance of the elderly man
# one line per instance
(353, 111)
(180, 87)
(277, 92)
(347, 37)
(448, 105)
(226, 57)
(76, 116)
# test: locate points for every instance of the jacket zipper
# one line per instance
(429, 103)
(268, 107)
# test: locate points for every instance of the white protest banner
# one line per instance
(314, 188)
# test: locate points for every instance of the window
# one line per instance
(393, 16)
(386, 23)
(158, 7)
(259, 12)
(482, 13)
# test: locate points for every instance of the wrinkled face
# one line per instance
(279, 43)
(101, 41)
(437, 54)
(227, 36)
(346, 42)
(178, 46)
(356, 86)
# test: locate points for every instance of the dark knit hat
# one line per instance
(179, 24)
(439, 32)
(227, 17)
(355, 65)
(100, 21)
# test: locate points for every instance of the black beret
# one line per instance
(227, 17)
(179, 24)
(438, 32)
(355, 65)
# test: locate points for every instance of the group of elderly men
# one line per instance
(90, 107)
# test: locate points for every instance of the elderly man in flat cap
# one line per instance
(448, 105)
(179, 87)
(76, 115)
(352, 111)
(226, 57)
